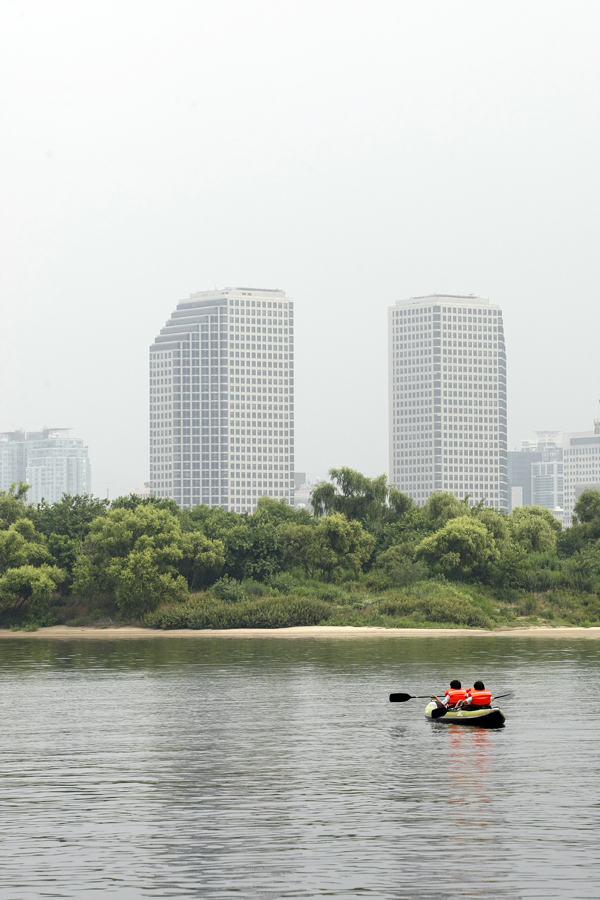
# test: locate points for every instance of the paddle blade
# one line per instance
(400, 698)
(438, 713)
(507, 696)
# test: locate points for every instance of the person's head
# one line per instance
(479, 686)
(456, 685)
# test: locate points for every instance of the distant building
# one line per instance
(519, 473)
(302, 494)
(535, 472)
(581, 466)
(49, 460)
(447, 398)
(222, 400)
(142, 491)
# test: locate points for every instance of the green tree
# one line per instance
(367, 500)
(12, 504)
(587, 513)
(534, 528)
(13, 550)
(203, 559)
(495, 523)
(252, 549)
(132, 501)
(121, 540)
(511, 569)
(441, 507)
(71, 517)
(297, 543)
(340, 544)
(20, 544)
(278, 511)
(141, 584)
(412, 526)
(64, 552)
(456, 549)
(400, 566)
(29, 589)
(120, 531)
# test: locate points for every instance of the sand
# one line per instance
(63, 632)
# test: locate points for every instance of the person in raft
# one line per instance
(454, 697)
(477, 697)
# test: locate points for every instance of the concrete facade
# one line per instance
(222, 400)
(581, 462)
(447, 398)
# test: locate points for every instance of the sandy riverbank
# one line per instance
(319, 632)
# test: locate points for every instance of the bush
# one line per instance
(446, 606)
(283, 583)
(398, 564)
(255, 589)
(229, 590)
(272, 612)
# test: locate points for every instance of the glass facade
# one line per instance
(222, 400)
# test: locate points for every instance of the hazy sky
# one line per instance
(350, 153)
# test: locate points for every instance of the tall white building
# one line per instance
(49, 460)
(222, 400)
(581, 466)
(447, 398)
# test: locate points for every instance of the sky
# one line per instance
(350, 153)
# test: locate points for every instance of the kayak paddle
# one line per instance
(402, 698)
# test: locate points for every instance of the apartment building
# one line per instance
(49, 460)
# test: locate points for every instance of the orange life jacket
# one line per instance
(480, 698)
(454, 695)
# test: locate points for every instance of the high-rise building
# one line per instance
(222, 400)
(581, 462)
(447, 398)
(49, 460)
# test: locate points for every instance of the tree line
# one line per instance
(131, 558)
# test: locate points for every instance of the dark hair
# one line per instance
(455, 684)
(479, 686)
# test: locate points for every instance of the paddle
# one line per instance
(402, 698)
(442, 710)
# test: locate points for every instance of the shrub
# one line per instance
(456, 611)
(398, 564)
(272, 612)
(283, 583)
(254, 588)
(229, 590)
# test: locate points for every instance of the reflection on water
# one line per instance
(267, 768)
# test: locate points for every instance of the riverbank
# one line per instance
(62, 632)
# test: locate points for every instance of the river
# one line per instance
(268, 768)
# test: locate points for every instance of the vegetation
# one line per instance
(368, 556)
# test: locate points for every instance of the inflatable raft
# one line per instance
(484, 718)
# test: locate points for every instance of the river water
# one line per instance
(271, 768)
